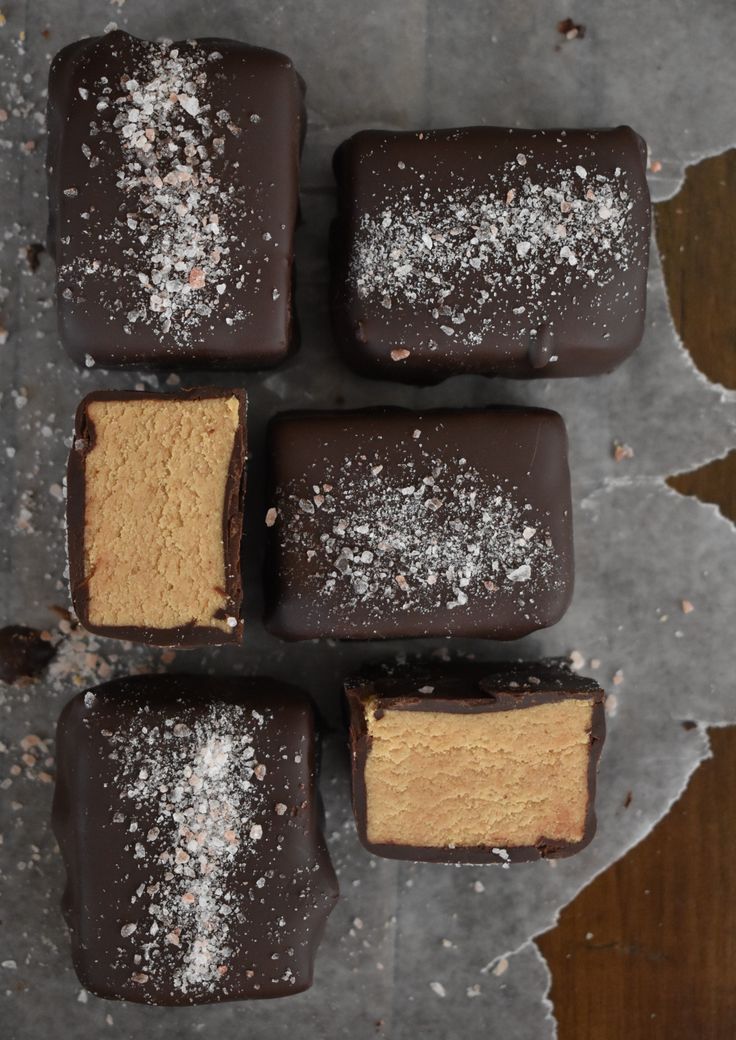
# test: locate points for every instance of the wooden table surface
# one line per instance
(648, 950)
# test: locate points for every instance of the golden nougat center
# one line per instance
(498, 778)
(155, 488)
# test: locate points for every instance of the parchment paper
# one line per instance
(641, 548)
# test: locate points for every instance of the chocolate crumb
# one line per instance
(33, 253)
(571, 30)
(24, 654)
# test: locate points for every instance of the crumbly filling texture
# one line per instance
(155, 485)
(498, 778)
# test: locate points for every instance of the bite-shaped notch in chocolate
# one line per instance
(173, 189)
(155, 515)
(475, 763)
(389, 523)
(188, 816)
(498, 251)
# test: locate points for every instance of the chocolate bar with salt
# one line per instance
(173, 173)
(188, 817)
(389, 523)
(491, 250)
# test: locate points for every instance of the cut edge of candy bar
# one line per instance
(502, 691)
(220, 621)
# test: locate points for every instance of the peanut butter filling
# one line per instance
(155, 483)
(498, 778)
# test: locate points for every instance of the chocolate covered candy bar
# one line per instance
(503, 252)
(173, 189)
(155, 515)
(188, 817)
(389, 523)
(475, 763)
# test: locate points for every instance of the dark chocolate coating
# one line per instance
(184, 636)
(524, 451)
(24, 654)
(542, 317)
(280, 890)
(252, 324)
(470, 687)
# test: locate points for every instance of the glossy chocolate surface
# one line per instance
(468, 687)
(389, 523)
(188, 817)
(498, 251)
(173, 189)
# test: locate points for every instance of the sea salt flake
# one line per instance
(189, 104)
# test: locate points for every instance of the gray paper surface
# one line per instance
(641, 548)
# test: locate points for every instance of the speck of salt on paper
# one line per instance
(577, 660)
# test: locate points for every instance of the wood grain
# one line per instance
(648, 950)
(696, 232)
